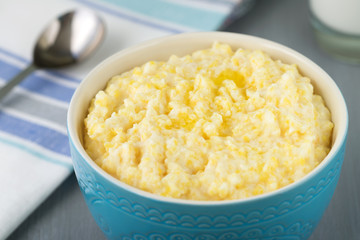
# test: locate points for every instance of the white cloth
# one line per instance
(35, 156)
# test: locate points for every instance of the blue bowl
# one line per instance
(124, 212)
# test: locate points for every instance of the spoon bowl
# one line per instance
(68, 39)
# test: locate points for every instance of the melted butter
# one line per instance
(230, 74)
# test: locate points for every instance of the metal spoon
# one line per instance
(68, 39)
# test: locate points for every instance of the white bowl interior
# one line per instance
(182, 44)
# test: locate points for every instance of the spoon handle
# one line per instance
(16, 80)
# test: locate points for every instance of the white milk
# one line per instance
(340, 15)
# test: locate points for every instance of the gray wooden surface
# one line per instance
(64, 214)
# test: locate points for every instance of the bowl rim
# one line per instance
(75, 141)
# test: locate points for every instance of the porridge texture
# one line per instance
(217, 124)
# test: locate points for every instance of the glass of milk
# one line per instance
(336, 25)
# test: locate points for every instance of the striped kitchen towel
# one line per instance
(35, 156)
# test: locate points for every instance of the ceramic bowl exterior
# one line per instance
(124, 212)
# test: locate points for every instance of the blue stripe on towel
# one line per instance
(219, 2)
(112, 11)
(43, 136)
(63, 76)
(195, 18)
(14, 56)
(52, 72)
(35, 153)
(37, 84)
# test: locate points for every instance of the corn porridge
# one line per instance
(214, 125)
